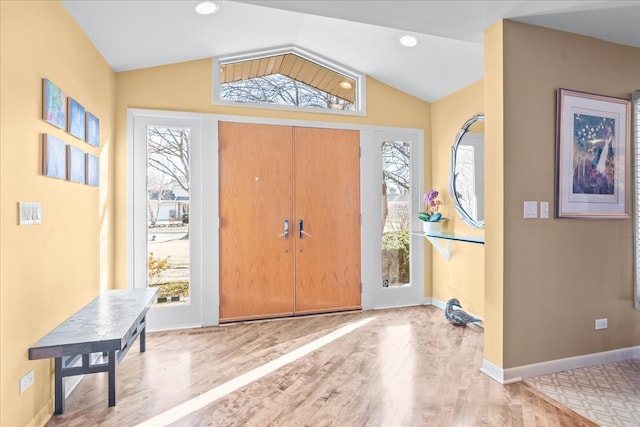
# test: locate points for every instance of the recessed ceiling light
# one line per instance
(206, 8)
(346, 85)
(408, 41)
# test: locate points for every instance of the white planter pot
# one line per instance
(432, 227)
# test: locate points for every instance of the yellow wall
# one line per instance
(559, 275)
(187, 87)
(545, 280)
(463, 275)
(47, 271)
(494, 195)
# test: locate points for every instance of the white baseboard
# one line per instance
(435, 302)
(496, 373)
(512, 375)
(386, 307)
(517, 374)
(426, 301)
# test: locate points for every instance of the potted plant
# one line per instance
(432, 219)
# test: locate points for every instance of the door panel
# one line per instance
(256, 263)
(327, 200)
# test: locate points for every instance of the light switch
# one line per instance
(29, 213)
(544, 209)
(530, 209)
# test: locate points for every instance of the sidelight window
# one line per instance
(168, 212)
(396, 213)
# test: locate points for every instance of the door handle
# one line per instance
(285, 232)
(301, 228)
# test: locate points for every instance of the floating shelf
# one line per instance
(435, 239)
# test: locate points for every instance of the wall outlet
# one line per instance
(26, 381)
(601, 323)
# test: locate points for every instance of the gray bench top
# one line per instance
(105, 324)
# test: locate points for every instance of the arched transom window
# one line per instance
(287, 78)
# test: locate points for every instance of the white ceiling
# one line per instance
(362, 35)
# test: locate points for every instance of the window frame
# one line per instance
(359, 78)
(635, 138)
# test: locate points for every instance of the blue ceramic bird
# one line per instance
(457, 316)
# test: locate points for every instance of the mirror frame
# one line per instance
(452, 176)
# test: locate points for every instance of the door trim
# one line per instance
(371, 176)
(369, 201)
(173, 316)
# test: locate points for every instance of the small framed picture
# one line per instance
(593, 167)
(92, 173)
(93, 130)
(75, 164)
(54, 104)
(54, 157)
(75, 123)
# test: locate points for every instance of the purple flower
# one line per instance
(431, 203)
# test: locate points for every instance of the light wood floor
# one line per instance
(407, 367)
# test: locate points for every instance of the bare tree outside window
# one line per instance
(396, 158)
(396, 215)
(281, 90)
(465, 178)
(168, 204)
(168, 153)
(157, 184)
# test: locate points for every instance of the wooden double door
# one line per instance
(289, 220)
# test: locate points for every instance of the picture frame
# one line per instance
(54, 157)
(54, 104)
(75, 119)
(75, 164)
(93, 129)
(592, 156)
(92, 172)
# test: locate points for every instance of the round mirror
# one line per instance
(466, 176)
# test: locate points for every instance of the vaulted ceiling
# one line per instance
(359, 34)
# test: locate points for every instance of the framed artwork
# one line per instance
(592, 156)
(92, 172)
(75, 122)
(54, 157)
(75, 164)
(93, 130)
(54, 104)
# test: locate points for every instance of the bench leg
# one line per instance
(143, 341)
(112, 378)
(58, 387)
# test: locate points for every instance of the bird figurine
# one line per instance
(457, 316)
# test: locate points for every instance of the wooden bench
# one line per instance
(108, 325)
